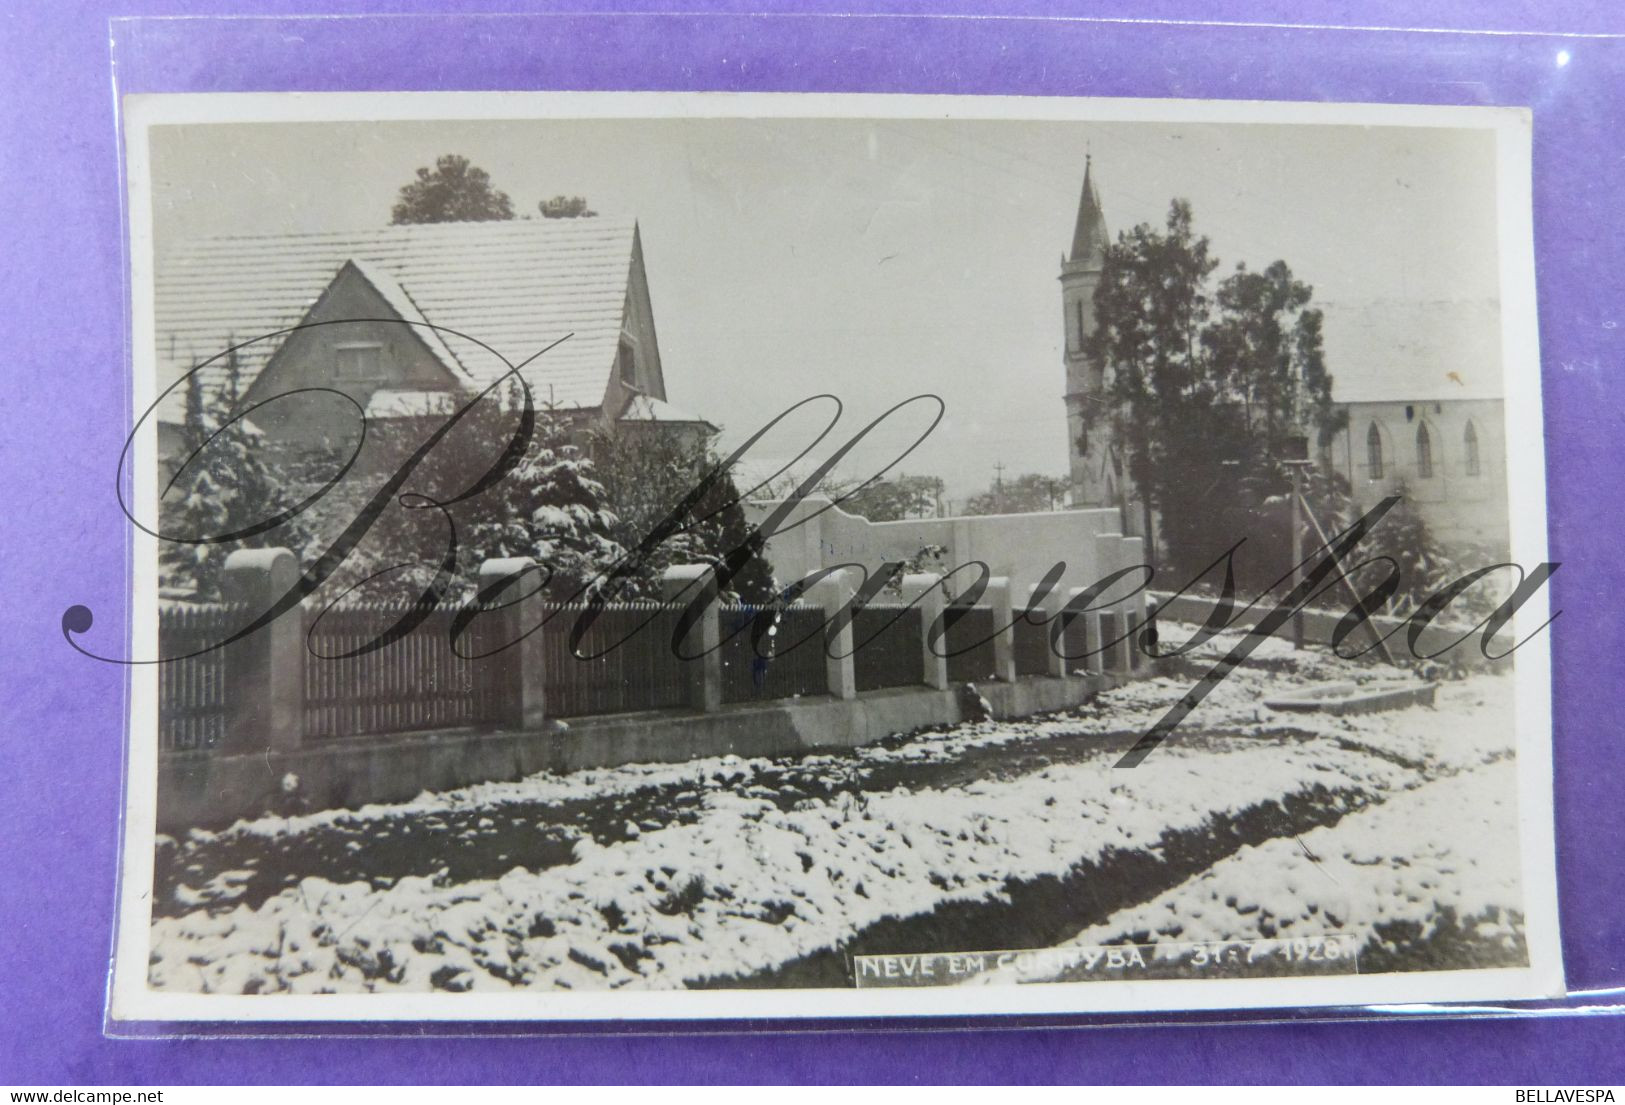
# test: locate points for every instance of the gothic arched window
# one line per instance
(1424, 453)
(1373, 452)
(1470, 440)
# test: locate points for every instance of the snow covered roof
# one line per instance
(514, 285)
(403, 305)
(646, 408)
(1385, 350)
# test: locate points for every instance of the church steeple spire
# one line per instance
(1089, 237)
(1093, 455)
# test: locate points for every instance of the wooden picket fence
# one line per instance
(192, 688)
(786, 659)
(1032, 645)
(423, 680)
(1075, 643)
(968, 643)
(889, 652)
(624, 661)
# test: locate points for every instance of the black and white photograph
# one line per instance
(637, 556)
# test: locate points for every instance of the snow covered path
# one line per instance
(1408, 900)
(770, 872)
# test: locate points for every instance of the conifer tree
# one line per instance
(547, 505)
(647, 475)
(223, 485)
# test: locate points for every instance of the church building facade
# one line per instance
(1419, 382)
(1099, 478)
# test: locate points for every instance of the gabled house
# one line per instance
(411, 321)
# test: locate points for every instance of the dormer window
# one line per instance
(358, 362)
(626, 365)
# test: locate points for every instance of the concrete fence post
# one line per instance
(265, 671)
(832, 594)
(1133, 553)
(515, 677)
(1049, 609)
(924, 591)
(695, 586)
(1108, 559)
(1111, 628)
(1094, 660)
(998, 597)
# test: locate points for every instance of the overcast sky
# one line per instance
(882, 259)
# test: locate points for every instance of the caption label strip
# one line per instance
(1311, 955)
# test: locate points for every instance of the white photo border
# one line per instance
(132, 1000)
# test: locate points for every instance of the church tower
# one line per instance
(1096, 475)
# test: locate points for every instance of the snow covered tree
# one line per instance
(730, 542)
(562, 514)
(547, 504)
(648, 472)
(224, 484)
(1422, 565)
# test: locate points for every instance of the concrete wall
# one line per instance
(208, 790)
(1319, 625)
(1021, 546)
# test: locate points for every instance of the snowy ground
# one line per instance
(1426, 879)
(995, 835)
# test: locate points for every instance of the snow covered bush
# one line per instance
(224, 490)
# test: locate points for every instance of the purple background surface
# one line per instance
(62, 341)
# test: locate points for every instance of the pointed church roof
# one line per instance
(1089, 237)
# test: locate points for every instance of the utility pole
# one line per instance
(998, 484)
(1297, 467)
